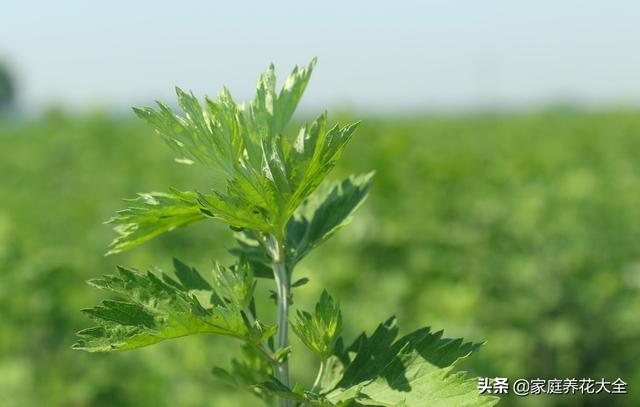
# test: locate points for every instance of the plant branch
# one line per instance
(283, 289)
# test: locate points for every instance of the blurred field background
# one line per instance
(506, 206)
(517, 229)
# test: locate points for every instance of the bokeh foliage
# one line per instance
(519, 229)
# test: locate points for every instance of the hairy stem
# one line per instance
(283, 289)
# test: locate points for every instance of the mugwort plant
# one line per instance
(272, 198)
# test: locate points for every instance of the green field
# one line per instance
(519, 229)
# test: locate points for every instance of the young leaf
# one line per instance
(154, 310)
(150, 215)
(316, 220)
(235, 284)
(238, 207)
(268, 175)
(320, 330)
(290, 96)
(324, 213)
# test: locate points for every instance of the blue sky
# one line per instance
(400, 55)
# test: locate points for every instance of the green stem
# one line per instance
(283, 289)
(320, 376)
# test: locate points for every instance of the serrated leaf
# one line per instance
(322, 215)
(150, 215)
(268, 174)
(416, 370)
(155, 309)
(189, 277)
(320, 330)
(236, 283)
(421, 385)
(290, 96)
(334, 370)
